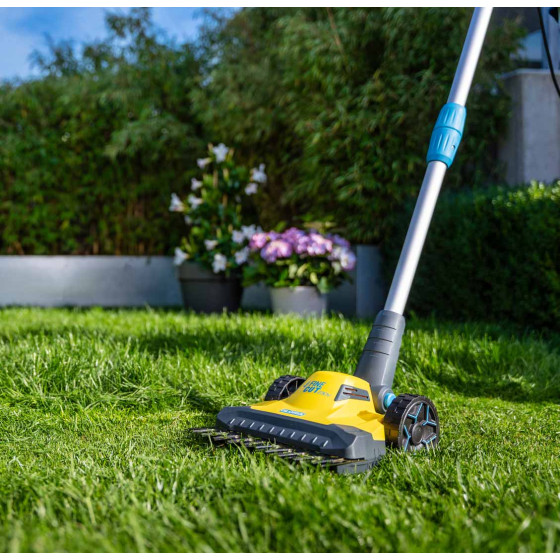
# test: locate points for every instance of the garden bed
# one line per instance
(95, 409)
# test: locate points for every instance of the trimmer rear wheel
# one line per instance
(411, 423)
(283, 387)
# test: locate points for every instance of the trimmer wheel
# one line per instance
(283, 387)
(411, 423)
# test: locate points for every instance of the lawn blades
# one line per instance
(343, 421)
(295, 456)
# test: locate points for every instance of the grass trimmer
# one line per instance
(342, 421)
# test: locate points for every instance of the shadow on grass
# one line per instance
(526, 368)
(203, 402)
(495, 361)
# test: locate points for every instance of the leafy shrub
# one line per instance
(490, 255)
(346, 99)
(339, 102)
(91, 152)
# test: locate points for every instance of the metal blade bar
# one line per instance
(289, 454)
(206, 431)
(278, 450)
(265, 447)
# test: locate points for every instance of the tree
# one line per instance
(340, 103)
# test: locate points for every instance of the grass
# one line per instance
(95, 453)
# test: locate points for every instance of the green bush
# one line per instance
(91, 152)
(490, 255)
(344, 100)
(339, 102)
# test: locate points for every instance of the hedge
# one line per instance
(338, 102)
(91, 152)
(341, 102)
(491, 254)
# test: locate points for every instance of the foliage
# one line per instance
(299, 258)
(91, 151)
(96, 455)
(346, 98)
(216, 212)
(339, 102)
(491, 255)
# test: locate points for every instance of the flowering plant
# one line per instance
(215, 211)
(298, 258)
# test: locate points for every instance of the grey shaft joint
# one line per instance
(379, 358)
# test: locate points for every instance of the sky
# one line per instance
(23, 30)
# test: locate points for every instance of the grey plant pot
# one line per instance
(205, 292)
(300, 300)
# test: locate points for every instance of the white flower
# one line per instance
(195, 184)
(219, 264)
(220, 151)
(176, 204)
(238, 236)
(251, 188)
(188, 220)
(249, 231)
(203, 162)
(347, 259)
(258, 175)
(194, 202)
(180, 257)
(242, 256)
(210, 244)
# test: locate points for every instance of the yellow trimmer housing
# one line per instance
(329, 397)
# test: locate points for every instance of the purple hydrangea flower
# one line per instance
(277, 249)
(319, 245)
(301, 244)
(292, 235)
(258, 241)
(340, 241)
(273, 246)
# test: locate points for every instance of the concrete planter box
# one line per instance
(107, 281)
(104, 281)
(531, 148)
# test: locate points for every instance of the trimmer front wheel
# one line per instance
(283, 387)
(411, 423)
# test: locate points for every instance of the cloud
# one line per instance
(23, 30)
(16, 46)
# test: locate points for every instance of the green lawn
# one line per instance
(96, 455)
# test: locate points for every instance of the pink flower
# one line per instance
(319, 245)
(292, 235)
(258, 241)
(277, 249)
(301, 244)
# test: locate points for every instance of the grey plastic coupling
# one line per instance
(379, 357)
